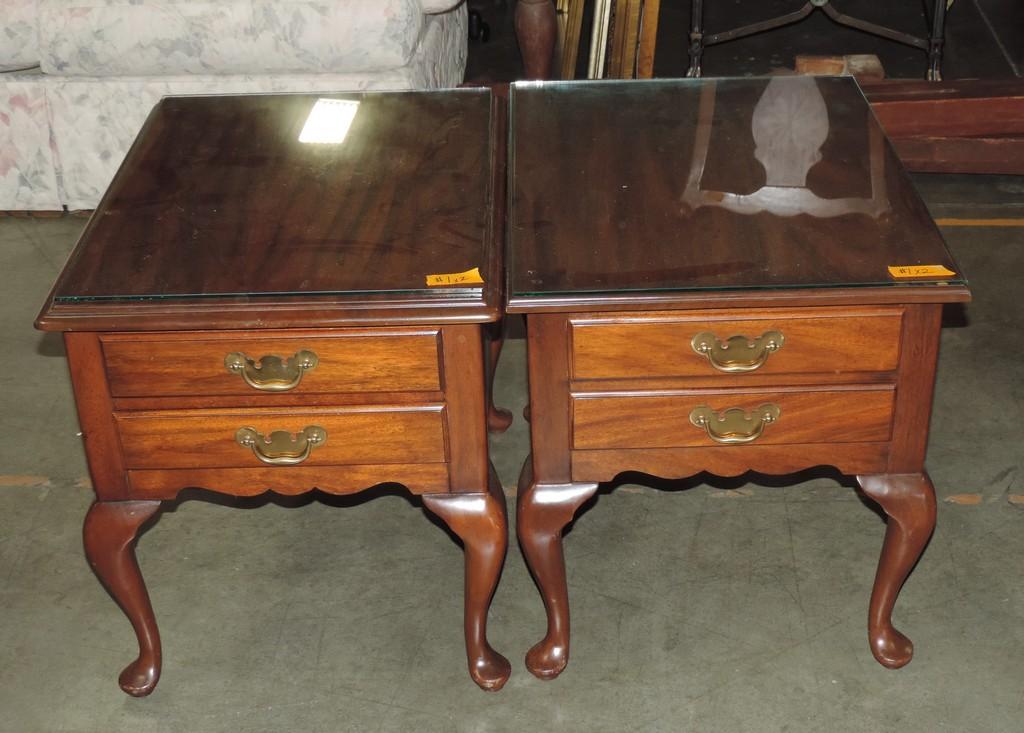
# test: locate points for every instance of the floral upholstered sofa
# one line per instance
(78, 77)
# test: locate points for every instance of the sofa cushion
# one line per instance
(160, 37)
(19, 35)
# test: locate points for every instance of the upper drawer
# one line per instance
(144, 365)
(666, 344)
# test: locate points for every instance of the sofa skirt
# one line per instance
(62, 138)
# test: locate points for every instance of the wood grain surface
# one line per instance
(95, 416)
(168, 483)
(619, 255)
(662, 420)
(192, 364)
(728, 460)
(659, 344)
(633, 149)
(218, 200)
(206, 439)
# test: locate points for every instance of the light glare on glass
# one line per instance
(329, 121)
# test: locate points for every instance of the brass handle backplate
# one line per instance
(281, 448)
(738, 353)
(271, 373)
(735, 425)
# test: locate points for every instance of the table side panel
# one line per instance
(466, 412)
(548, 360)
(915, 388)
(96, 417)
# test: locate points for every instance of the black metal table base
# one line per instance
(931, 45)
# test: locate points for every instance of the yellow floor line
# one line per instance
(980, 222)
(24, 480)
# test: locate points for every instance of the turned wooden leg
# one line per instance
(542, 512)
(109, 533)
(909, 502)
(536, 28)
(498, 419)
(480, 520)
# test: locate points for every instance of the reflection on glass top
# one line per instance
(269, 195)
(780, 182)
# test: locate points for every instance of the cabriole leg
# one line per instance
(480, 521)
(109, 533)
(909, 502)
(543, 510)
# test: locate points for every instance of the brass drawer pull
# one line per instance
(739, 353)
(281, 448)
(735, 425)
(271, 373)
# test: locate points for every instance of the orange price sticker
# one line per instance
(905, 272)
(469, 277)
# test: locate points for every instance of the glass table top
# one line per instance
(705, 184)
(297, 194)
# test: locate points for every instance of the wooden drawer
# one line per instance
(662, 420)
(356, 435)
(193, 364)
(823, 341)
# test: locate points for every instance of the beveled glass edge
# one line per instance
(626, 292)
(438, 293)
(339, 93)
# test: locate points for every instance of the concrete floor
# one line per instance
(697, 608)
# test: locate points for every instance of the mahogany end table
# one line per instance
(727, 276)
(288, 293)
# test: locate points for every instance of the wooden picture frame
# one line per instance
(648, 39)
(599, 38)
(623, 39)
(570, 27)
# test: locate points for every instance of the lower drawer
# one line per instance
(310, 437)
(694, 419)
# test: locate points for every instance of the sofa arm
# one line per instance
(439, 6)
